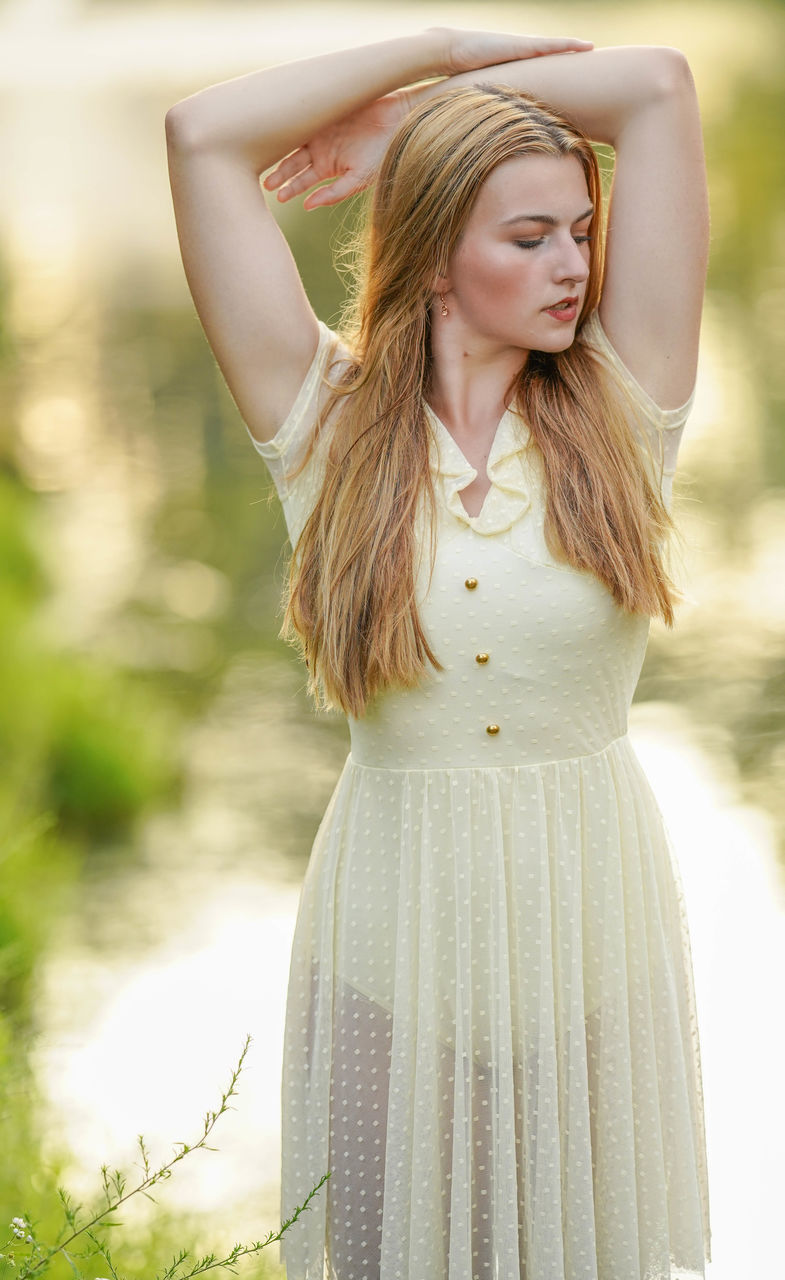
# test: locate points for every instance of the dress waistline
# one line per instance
(621, 741)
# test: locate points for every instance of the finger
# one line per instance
(300, 182)
(288, 167)
(348, 184)
(540, 46)
(558, 44)
(546, 53)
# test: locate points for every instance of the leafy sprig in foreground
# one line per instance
(81, 1236)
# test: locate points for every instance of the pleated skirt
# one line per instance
(491, 1039)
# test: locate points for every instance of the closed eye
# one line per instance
(532, 244)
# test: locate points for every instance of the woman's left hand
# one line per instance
(471, 50)
(345, 154)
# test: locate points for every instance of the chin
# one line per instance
(555, 343)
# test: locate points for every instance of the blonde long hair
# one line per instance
(350, 601)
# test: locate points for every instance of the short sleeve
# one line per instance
(284, 450)
(664, 427)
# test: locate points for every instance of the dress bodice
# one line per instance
(540, 664)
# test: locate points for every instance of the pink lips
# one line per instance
(565, 310)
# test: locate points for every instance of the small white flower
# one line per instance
(18, 1222)
(30, 1240)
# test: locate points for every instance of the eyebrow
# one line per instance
(547, 218)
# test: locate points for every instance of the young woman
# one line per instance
(490, 1040)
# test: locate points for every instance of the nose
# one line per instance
(573, 261)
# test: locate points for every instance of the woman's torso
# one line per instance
(563, 659)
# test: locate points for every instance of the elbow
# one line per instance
(671, 74)
(179, 126)
(174, 125)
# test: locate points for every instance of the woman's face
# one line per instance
(523, 251)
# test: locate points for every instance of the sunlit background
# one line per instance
(162, 773)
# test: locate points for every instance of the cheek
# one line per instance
(492, 277)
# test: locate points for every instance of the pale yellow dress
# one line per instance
(491, 1036)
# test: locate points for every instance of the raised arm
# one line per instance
(242, 277)
(240, 271)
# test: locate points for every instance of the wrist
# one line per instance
(437, 48)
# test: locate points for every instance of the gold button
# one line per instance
(482, 658)
(492, 729)
(470, 584)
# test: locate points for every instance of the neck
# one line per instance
(471, 378)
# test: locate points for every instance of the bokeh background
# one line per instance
(162, 772)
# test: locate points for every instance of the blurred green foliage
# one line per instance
(80, 740)
(85, 751)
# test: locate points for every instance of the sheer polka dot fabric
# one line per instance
(491, 1038)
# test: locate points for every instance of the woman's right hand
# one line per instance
(345, 154)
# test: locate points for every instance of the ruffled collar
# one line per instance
(509, 495)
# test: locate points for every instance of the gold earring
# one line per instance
(445, 312)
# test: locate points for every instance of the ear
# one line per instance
(441, 284)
